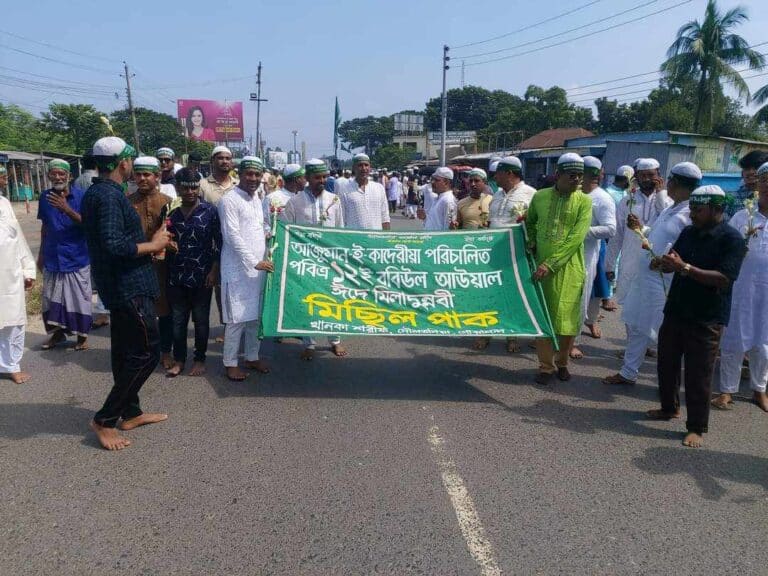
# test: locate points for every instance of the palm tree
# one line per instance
(759, 98)
(708, 52)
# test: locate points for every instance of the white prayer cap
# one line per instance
(146, 164)
(252, 163)
(710, 194)
(219, 149)
(109, 146)
(510, 164)
(315, 166)
(625, 172)
(686, 170)
(592, 162)
(443, 172)
(648, 164)
(493, 166)
(357, 158)
(478, 172)
(164, 152)
(763, 169)
(292, 171)
(570, 162)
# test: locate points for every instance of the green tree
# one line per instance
(707, 51)
(20, 130)
(469, 108)
(369, 133)
(77, 125)
(391, 156)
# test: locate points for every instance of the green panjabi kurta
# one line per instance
(557, 225)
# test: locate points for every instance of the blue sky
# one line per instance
(378, 57)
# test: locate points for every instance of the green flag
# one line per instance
(336, 124)
(375, 283)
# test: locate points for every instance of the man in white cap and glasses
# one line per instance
(315, 206)
(364, 202)
(244, 265)
(442, 213)
(294, 180)
(166, 158)
(121, 263)
(603, 227)
(747, 331)
(17, 275)
(220, 181)
(643, 309)
(558, 220)
(705, 259)
(639, 208)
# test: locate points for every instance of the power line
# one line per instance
(23, 82)
(58, 48)
(581, 27)
(529, 27)
(81, 66)
(639, 18)
(60, 79)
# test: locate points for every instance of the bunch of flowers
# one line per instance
(751, 230)
(325, 214)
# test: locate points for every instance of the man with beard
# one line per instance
(472, 211)
(243, 269)
(219, 182)
(122, 269)
(750, 163)
(442, 211)
(638, 209)
(364, 202)
(63, 259)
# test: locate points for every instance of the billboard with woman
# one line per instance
(211, 121)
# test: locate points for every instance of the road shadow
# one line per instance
(586, 420)
(20, 421)
(708, 468)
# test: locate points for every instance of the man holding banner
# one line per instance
(315, 206)
(558, 220)
(243, 264)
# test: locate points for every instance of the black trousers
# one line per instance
(165, 326)
(135, 353)
(697, 345)
(183, 302)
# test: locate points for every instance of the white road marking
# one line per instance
(469, 522)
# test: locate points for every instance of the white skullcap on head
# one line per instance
(686, 170)
(219, 149)
(763, 169)
(592, 162)
(108, 146)
(648, 164)
(708, 195)
(493, 166)
(146, 164)
(709, 190)
(625, 172)
(493, 161)
(570, 162)
(478, 172)
(291, 169)
(362, 158)
(165, 152)
(443, 172)
(511, 163)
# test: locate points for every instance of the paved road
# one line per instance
(411, 456)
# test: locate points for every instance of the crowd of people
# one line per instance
(144, 244)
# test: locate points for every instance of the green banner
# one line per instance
(362, 282)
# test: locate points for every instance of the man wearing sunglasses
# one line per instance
(165, 157)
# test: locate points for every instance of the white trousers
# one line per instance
(234, 332)
(593, 311)
(410, 210)
(11, 348)
(311, 343)
(637, 344)
(730, 369)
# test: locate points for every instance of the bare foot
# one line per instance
(219, 339)
(308, 354)
(339, 350)
(167, 360)
(723, 402)
(100, 321)
(661, 415)
(142, 420)
(20, 377)
(174, 370)
(609, 305)
(259, 365)
(761, 399)
(594, 331)
(575, 353)
(109, 437)
(82, 343)
(235, 374)
(481, 343)
(198, 369)
(512, 346)
(693, 440)
(56, 338)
